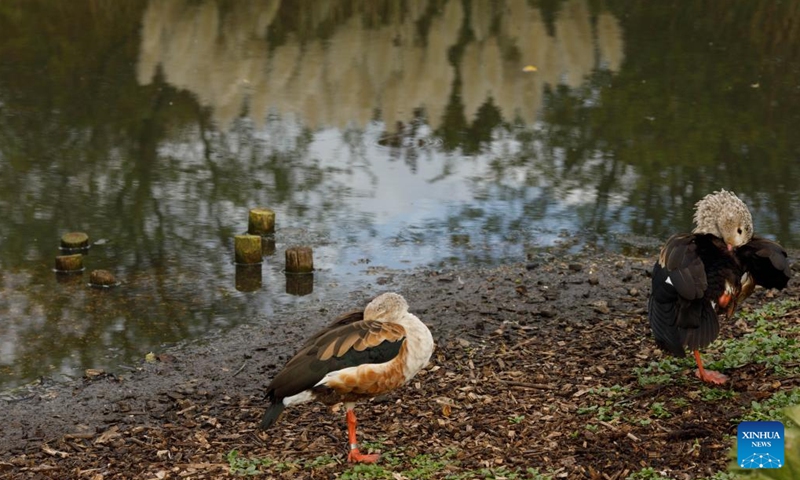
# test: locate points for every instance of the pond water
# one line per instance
(386, 135)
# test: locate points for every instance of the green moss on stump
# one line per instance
(75, 240)
(247, 249)
(261, 221)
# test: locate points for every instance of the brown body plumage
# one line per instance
(360, 355)
(707, 273)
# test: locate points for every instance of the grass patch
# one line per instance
(501, 473)
(248, 466)
(663, 372)
(648, 473)
(611, 392)
(423, 466)
(710, 394)
(659, 410)
(770, 342)
(603, 413)
(772, 408)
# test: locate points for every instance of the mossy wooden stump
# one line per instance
(75, 241)
(261, 221)
(247, 249)
(299, 260)
(102, 279)
(299, 268)
(69, 263)
(248, 277)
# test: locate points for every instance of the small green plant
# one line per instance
(613, 391)
(771, 408)
(648, 473)
(713, 394)
(643, 421)
(516, 419)
(425, 465)
(321, 461)
(603, 413)
(366, 472)
(659, 411)
(680, 402)
(534, 474)
(504, 473)
(247, 466)
(722, 476)
(663, 371)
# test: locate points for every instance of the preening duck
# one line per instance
(360, 355)
(707, 273)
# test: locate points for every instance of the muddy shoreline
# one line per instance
(529, 341)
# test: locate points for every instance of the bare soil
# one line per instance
(526, 355)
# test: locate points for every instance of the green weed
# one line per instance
(771, 408)
(659, 410)
(713, 394)
(648, 473)
(663, 371)
(247, 466)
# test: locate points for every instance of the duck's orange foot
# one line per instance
(710, 376)
(357, 457)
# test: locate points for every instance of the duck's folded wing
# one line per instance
(676, 322)
(679, 314)
(685, 269)
(766, 261)
(344, 345)
(343, 319)
(662, 312)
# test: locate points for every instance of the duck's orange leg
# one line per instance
(709, 376)
(355, 455)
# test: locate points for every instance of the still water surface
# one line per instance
(386, 135)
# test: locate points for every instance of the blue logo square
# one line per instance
(760, 445)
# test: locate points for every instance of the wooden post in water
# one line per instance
(299, 268)
(102, 279)
(261, 221)
(69, 263)
(74, 241)
(247, 249)
(299, 260)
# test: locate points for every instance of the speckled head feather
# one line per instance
(722, 214)
(386, 306)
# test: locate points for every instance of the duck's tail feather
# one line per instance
(271, 415)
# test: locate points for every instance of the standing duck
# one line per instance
(360, 355)
(703, 274)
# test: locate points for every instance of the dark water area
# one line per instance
(387, 136)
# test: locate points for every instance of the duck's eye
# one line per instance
(739, 230)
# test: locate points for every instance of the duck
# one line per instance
(707, 273)
(360, 355)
